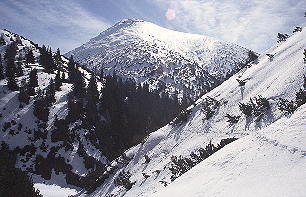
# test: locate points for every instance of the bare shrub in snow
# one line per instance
(123, 179)
(209, 107)
(232, 119)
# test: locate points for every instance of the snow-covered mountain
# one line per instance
(165, 59)
(268, 159)
(48, 159)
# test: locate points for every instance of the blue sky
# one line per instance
(67, 24)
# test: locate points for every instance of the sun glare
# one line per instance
(170, 14)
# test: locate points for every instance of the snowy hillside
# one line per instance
(36, 141)
(267, 160)
(270, 162)
(165, 59)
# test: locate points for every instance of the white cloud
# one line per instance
(250, 23)
(253, 24)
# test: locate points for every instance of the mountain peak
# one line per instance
(156, 55)
(130, 20)
(120, 25)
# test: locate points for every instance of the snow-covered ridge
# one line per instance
(267, 160)
(164, 58)
(24, 126)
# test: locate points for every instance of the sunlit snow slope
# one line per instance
(163, 58)
(269, 159)
(270, 162)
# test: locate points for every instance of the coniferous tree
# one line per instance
(18, 67)
(91, 111)
(92, 98)
(102, 73)
(46, 59)
(57, 56)
(123, 179)
(11, 51)
(11, 69)
(10, 74)
(33, 78)
(18, 40)
(58, 81)
(282, 37)
(185, 101)
(13, 181)
(286, 106)
(63, 77)
(30, 57)
(297, 29)
(252, 56)
(50, 93)
(300, 97)
(41, 107)
(131, 112)
(92, 90)
(23, 92)
(71, 69)
(19, 71)
(75, 108)
(42, 57)
(1, 69)
(30, 90)
(2, 41)
(79, 86)
(50, 67)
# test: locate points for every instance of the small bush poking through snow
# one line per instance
(241, 82)
(286, 106)
(300, 98)
(123, 179)
(181, 118)
(180, 165)
(147, 159)
(261, 107)
(246, 108)
(6, 125)
(256, 109)
(282, 37)
(232, 119)
(209, 107)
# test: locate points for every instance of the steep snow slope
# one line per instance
(269, 151)
(163, 58)
(271, 162)
(30, 134)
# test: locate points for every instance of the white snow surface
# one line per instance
(54, 190)
(267, 160)
(163, 58)
(271, 162)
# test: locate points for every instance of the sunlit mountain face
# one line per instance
(166, 60)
